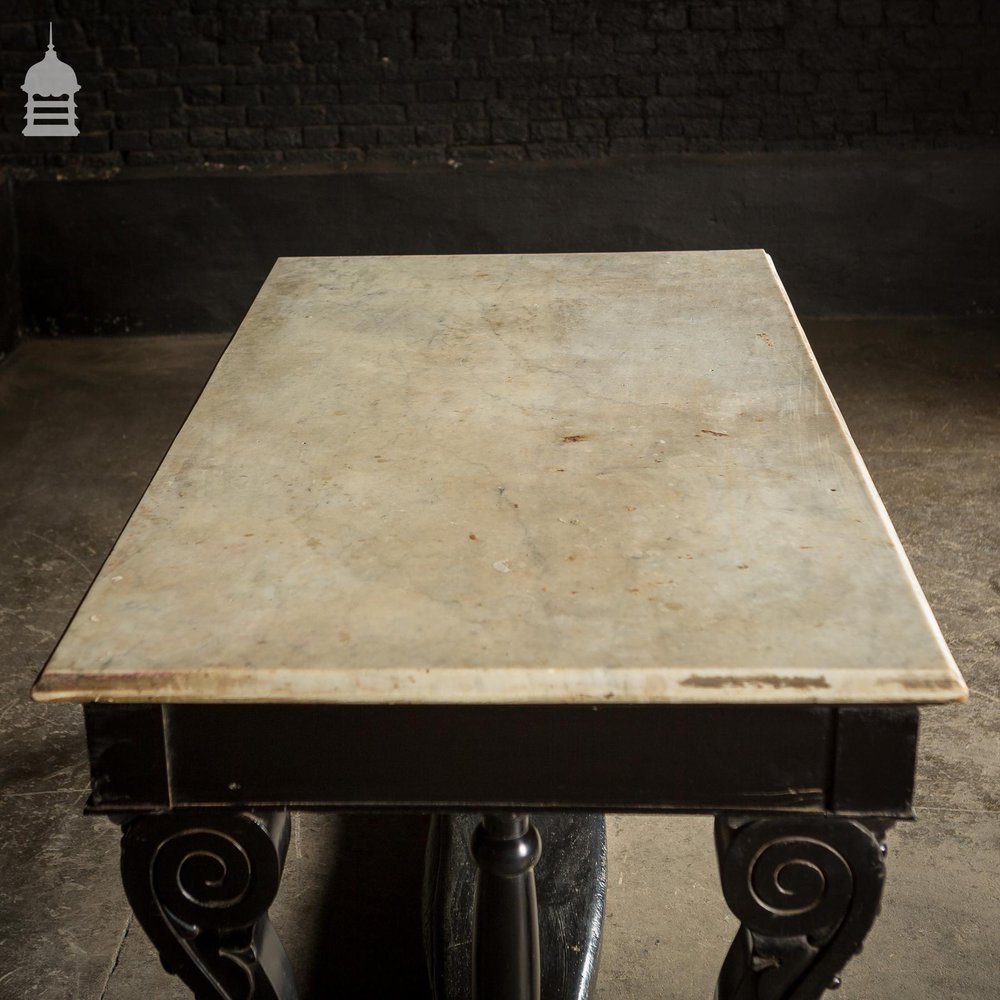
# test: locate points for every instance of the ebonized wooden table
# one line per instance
(508, 535)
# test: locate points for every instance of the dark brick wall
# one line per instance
(265, 82)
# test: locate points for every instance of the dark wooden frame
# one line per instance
(800, 792)
(612, 758)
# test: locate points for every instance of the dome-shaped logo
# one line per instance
(51, 88)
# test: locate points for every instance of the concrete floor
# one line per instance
(82, 426)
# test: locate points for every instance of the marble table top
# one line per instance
(552, 478)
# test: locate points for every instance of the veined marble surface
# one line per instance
(511, 478)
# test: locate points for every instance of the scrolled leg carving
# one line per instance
(200, 884)
(806, 891)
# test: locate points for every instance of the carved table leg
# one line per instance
(200, 883)
(505, 928)
(570, 885)
(806, 890)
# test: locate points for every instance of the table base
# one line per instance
(806, 889)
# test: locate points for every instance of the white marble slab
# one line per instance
(507, 478)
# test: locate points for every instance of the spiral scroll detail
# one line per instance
(799, 883)
(806, 890)
(201, 886)
(203, 878)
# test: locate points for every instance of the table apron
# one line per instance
(613, 758)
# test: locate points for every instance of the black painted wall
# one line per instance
(307, 81)
(10, 298)
(867, 233)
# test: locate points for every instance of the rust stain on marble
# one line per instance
(754, 680)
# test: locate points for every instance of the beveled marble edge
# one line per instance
(470, 685)
(955, 689)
